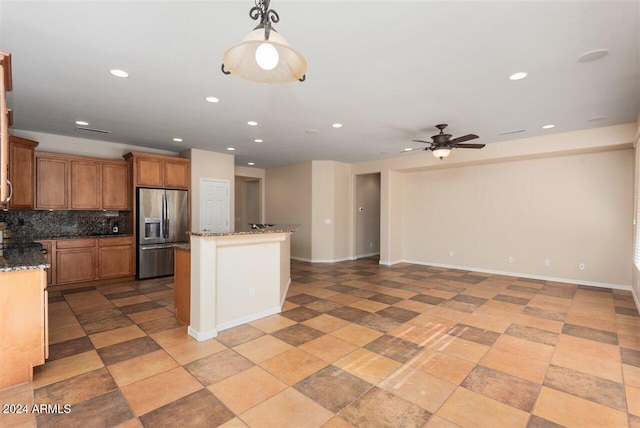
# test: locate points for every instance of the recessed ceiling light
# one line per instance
(82, 123)
(593, 55)
(518, 76)
(257, 140)
(337, 125)
(250, 163)
(252, 123)
(231, 149)
(548, 126)
(119, 73)
(595, 119)
(178, 140)
(408, 149)
(212, 99)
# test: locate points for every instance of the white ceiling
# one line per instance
(388, 70)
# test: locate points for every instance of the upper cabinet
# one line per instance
(86, 185)
(79, 183)
(116, 186)
(160, 171)
(5, 86)
(52, 182)
(22, 173)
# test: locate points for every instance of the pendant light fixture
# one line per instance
(264, 55)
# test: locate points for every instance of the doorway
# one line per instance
(367, 215)
(214, 205)
(248, 202)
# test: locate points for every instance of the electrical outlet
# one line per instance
(252, 292)
(510, 259)
(450, 253)
(547, 262)
(581, 266)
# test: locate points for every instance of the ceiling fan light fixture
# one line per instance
(442, 152)
(264, 56)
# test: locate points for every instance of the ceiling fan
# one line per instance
(442, 143)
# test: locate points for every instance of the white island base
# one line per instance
(236, 278)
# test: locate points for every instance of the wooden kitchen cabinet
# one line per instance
(22, 173)
(115, 257)
(81, 183)
(116, 186)
(5, 118)
(86, 188)
(160, 171)
(75, 260)
(52, 183)
(24, 327)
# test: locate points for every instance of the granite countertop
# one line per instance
(24, 256)
(261, 228)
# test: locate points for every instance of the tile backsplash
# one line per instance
(25, 226)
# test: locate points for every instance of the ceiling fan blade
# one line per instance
(469, 146)
(464, 138)
(422, 141)
(419, 149)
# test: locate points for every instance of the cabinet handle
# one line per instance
(10, 190)
(44, 251)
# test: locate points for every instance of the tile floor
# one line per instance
(357, 344)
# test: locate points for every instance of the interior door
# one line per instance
(214, 205)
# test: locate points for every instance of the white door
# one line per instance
(214, 205)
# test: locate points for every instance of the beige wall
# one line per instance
(342, 212)
(215, 166)
(569, 209)
(330, 213)
(635, 283)
(83, 146)
(367, 221)
(288, 200)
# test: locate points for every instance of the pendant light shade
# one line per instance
(264, 55)
(253, 59)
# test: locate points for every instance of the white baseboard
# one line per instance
(284, 296)
(360, 256)
(394, 262)
(636, 298)
(201, 336)
(525, 275)
(343, 259)
(238, 321)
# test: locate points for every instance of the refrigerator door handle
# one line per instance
(164, 215)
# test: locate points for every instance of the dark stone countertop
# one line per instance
(22, 256)
(110, 235)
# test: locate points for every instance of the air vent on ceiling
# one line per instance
(517, 131)
(99, 131)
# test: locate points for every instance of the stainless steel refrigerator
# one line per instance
(162, 223)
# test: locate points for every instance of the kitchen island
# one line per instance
(237, 277)
(23, 305)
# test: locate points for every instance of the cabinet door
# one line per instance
(150, 172)
(85, 185)
(22, 173)
(176, 174)
(116, 189)
(75, 265)
(52, 183)
(115, 261)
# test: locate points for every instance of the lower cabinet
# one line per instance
(24, 329)
(115, 257)
(75, 260)
(90, 259)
